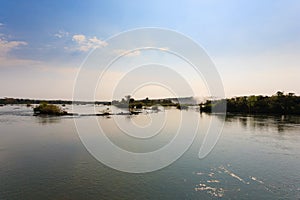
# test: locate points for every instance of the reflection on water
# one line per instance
(47, 120)
(257, 157)
(262, 122)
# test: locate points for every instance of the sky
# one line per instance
(255, 45)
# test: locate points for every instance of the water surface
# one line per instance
(256, 157)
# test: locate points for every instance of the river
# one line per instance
(256, 157)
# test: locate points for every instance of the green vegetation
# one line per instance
(279, 103)
(48, 109)
(131, 103)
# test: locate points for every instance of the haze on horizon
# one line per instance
(255, 45)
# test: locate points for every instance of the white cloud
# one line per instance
(9, 61)
(61, 34)
(80, 42)
(1, 24)
(79, 38)
(84, 43)
(6, 46)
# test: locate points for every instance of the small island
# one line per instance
(49, 109)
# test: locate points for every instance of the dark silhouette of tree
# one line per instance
(276, 104)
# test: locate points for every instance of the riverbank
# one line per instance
(278, 104)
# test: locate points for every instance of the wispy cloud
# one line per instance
(1, 24)
(79, 38)
(7, 46)
(79, 42)
(61, 34)
(84, 43)
(6, 60)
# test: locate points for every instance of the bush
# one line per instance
(139, 105)
(48, 109)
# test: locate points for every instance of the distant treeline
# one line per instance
(129, 102)
(125, 102)
(279, 103)
(5, 101)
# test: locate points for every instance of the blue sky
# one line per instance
(254, 44)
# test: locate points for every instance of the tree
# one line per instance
(279, 93)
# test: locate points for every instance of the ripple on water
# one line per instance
(212, 182)
(213, 191)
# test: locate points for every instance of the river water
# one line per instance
(256, 157)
